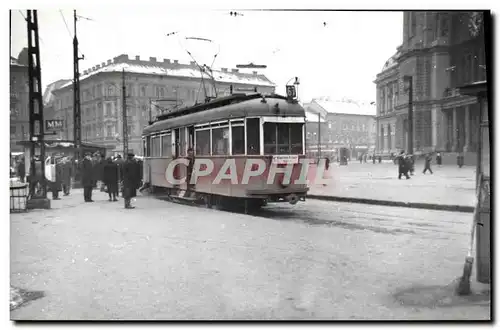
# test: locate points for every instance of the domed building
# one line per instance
(440, 52)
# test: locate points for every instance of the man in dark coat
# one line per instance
(87, 178)
(67, 174)
(119, 162)
(428, 159)
(131, 180)
(402, 166)
(110, 178)
(56, 186)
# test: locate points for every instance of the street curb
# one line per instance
(428, 206)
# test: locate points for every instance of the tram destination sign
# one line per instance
(285, 159)
(54, 125)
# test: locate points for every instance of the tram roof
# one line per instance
(234, 106)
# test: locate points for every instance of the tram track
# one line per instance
(378, 219)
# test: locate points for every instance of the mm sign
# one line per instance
(54, 125)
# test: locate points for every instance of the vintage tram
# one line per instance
(237, 130)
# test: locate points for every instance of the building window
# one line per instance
(443, 24)
(111, 90)
(413, 23)
(109, 131)
(109, 110)
(143, 90)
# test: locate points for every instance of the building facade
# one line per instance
(19, 101)
(441, 51)
(151, 87)
(340, 124)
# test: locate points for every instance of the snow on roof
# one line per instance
(313, 117)
(182, 70)
(47, 95)
(15, 62)
(347, 107)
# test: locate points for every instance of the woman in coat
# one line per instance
(110, 178)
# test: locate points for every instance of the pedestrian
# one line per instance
(130, 180)
(402, 166)
(21, 170)
(67, 173)
(110, 178)
(327, 168)
(373, 158)
(119, 162)
(87, 178)
(439, 159)
(428, 159)
(56, 185)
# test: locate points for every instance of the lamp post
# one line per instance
(408, 83)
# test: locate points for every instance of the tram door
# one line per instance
(191, 137)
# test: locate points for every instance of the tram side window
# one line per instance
(167, 145)
(203, 142)
(220, 140)
(148, 146)
(253, 136)
(153, 146)
(238, 137)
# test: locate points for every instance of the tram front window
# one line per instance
(282, 139)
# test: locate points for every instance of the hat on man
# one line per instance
(130, 154)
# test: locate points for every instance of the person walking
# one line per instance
(402, 166)
(428, 159)
(110, 177)
(439, 159)
(119, 162)
(56, 185)
(87, 178)
(130, 180)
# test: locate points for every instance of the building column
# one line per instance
(467, 128)
(434, 126)
(455, 132)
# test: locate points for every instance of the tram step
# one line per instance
(185, 198)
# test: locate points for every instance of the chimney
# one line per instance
(103, 64)
(137, 58)
(176, 62)
(109, 62)
(121, 58)
(166, 61)
(235, 70)
(93, 68)
(97, 67)
(192, 63)
(224, 69)
(255, 73)
(152, 59)
(85, 72)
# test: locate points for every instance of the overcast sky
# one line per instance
(339, 60)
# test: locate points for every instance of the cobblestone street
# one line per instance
(317, 260)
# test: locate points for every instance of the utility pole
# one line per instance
(319, 135)
(77, 119)
(36, 106)
(124, 113)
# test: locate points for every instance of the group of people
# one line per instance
(406, 163)
(108, 174)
